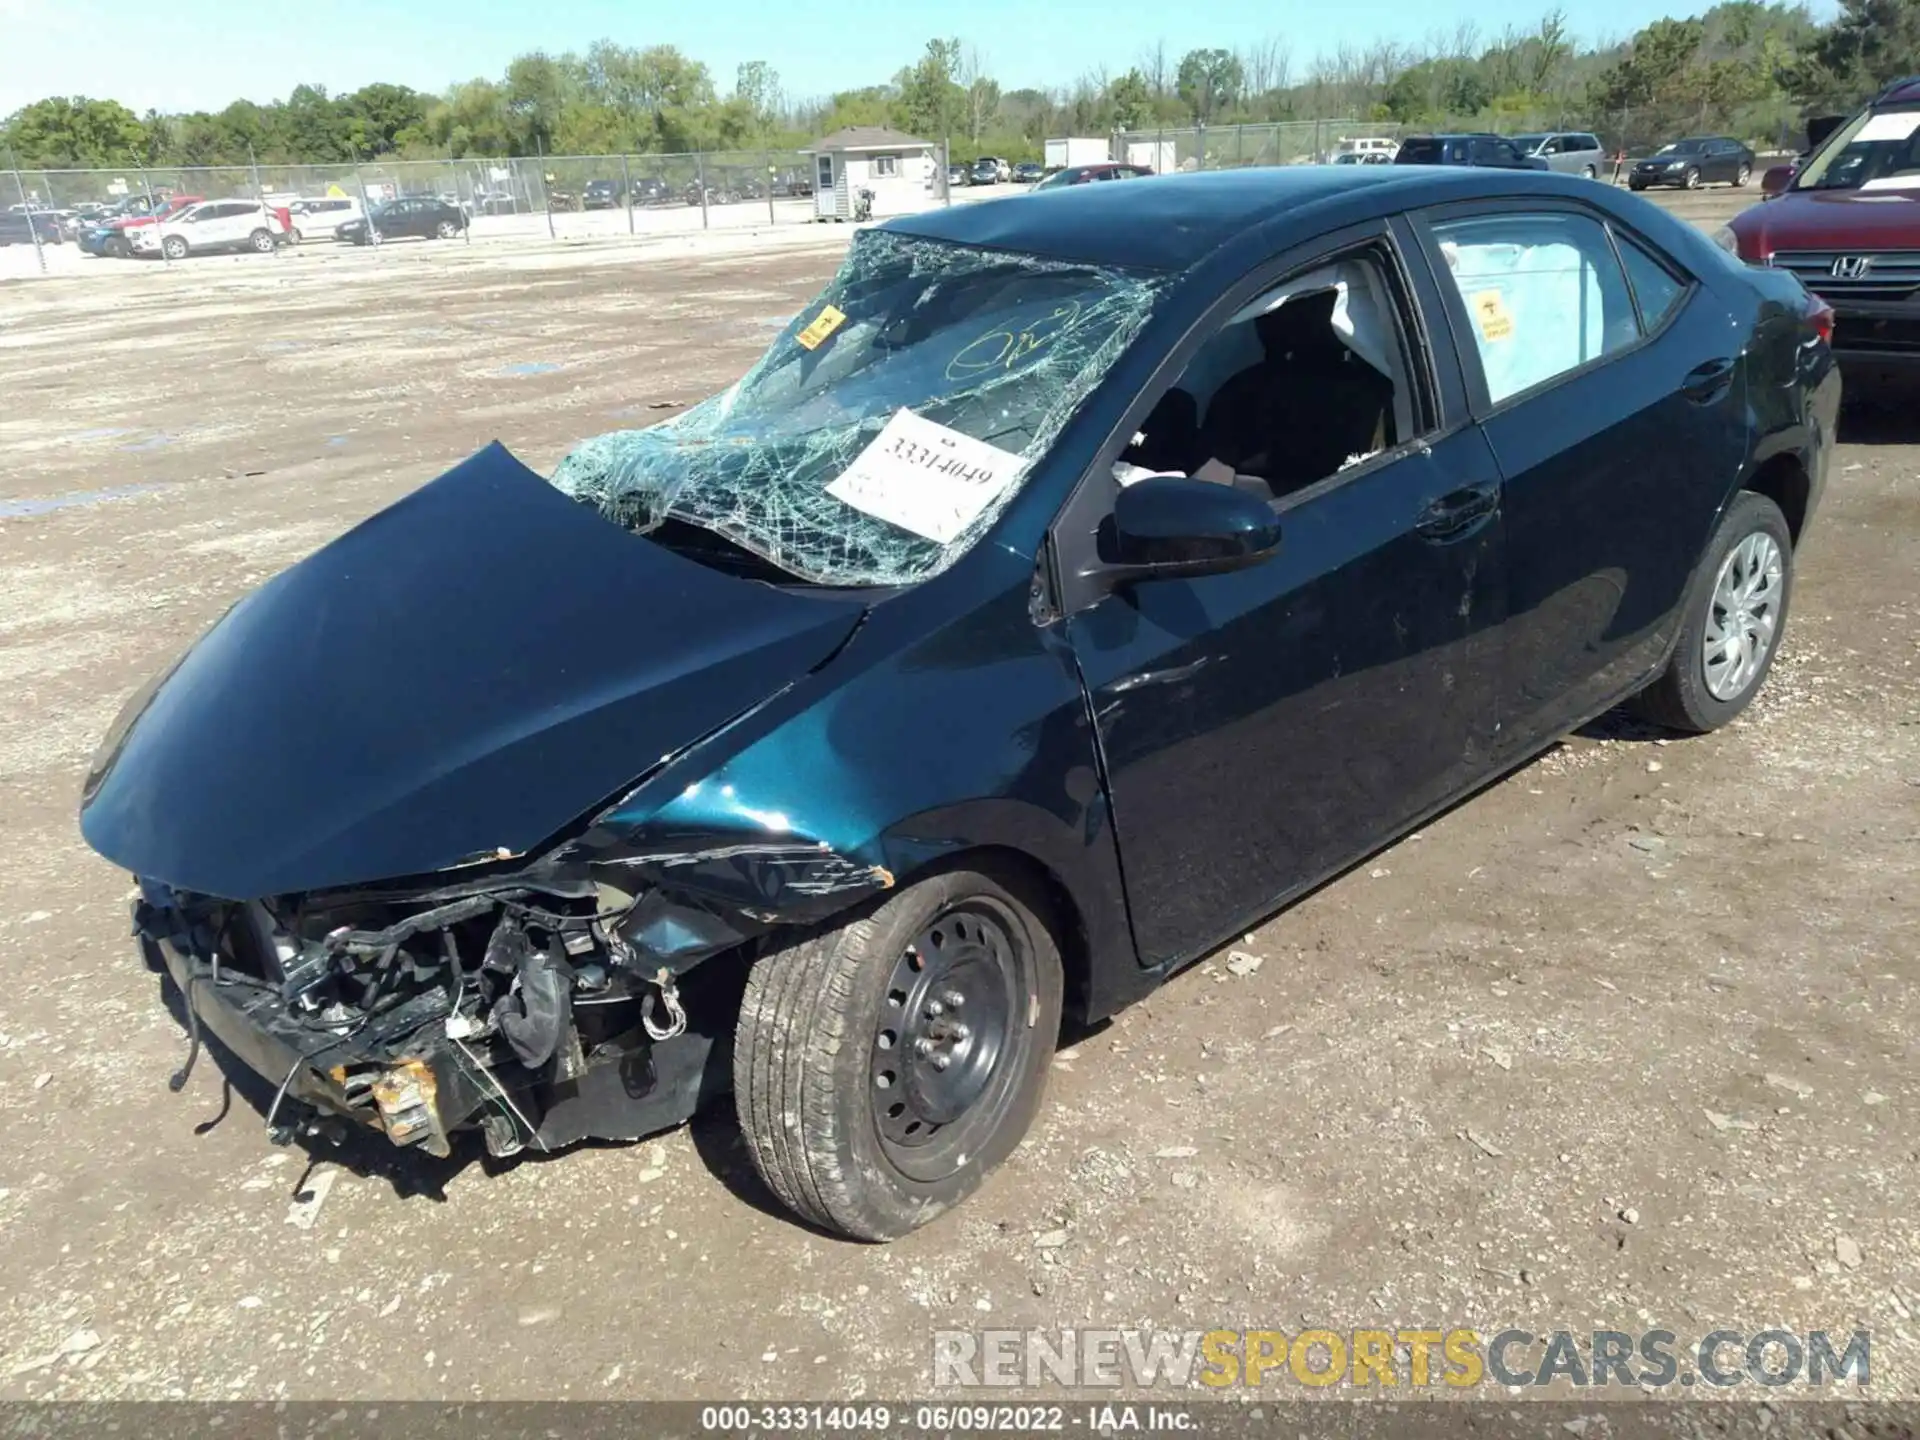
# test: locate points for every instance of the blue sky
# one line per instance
(199, 54)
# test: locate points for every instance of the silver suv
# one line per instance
(1571, 152)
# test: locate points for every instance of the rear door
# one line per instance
(1616, 409)
(221, 224)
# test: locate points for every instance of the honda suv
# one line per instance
(1835, 220)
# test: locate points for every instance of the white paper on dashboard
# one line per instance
(1894, 125)
(926, 478)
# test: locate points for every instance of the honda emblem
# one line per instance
(1852, 267)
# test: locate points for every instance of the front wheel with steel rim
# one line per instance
(1735, 617)
(885, 1066)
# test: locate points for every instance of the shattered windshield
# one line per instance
(1876, 150)
(892, 420)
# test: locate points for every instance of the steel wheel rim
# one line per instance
(941, 1072)
(1743, 616)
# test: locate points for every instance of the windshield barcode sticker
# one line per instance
(926, 478)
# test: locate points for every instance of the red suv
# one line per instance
(1845, 218)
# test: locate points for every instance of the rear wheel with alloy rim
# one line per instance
(446, 229)
(261, 240)
(884, 1067)
(1744, 174)
(1735, 617)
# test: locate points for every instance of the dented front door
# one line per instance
(1265, 727)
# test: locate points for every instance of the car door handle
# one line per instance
(1457, 512)
(1709, 381)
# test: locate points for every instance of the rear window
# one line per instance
(1422, 152)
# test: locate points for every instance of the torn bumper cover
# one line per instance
(539, 1017)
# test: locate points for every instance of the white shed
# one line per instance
(897, 168)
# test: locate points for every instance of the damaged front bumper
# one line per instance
(531, 1045)
(539, 1004)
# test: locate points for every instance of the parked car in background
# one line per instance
(1570, 152)
(115, 237)
(1493, 152)
(958, 175)
(1029, 172)
(1092, 174)
(984, 171)
(1695, 161)
(603, 195)
(495, 202)
(213, 225)
(21, 227)
(1276, 556)
(427, 218)
(1367, 150)
(650, 190)
(1840, 221)
(321, 219)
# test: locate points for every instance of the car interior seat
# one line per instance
(1310, 402)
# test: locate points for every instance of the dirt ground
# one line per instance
(1623, 1041)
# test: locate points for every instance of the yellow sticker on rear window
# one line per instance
(824, 324)
(1490, 314)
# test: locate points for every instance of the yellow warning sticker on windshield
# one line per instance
(1490, 314)
(824, 324)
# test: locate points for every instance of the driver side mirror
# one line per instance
(1173, 525)
(1777, 179)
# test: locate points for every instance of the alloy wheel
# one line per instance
(1743, 616)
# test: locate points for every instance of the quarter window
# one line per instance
(1654, 286)
(1543, 295)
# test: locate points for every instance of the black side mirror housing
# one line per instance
(1174, 525)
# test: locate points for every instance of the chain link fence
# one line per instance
(583, 196)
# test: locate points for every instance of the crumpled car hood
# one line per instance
(462, 675)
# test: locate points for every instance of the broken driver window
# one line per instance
(889, 424)
(1303, 382)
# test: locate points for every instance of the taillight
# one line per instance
(1820, 316)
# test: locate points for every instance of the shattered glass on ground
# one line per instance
(999, 347)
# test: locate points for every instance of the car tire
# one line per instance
(1691, 180)
(1742, 175)
(1591, 173)
(175, 247)
(446, 229)
(261, 241)
(1636, 186)
(294, 237)
(1751, 558)
(838, 1053)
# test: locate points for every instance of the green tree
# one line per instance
(1130, 99)
(1208, 81)
(931, 99)
(1869, 43)
(73, 131)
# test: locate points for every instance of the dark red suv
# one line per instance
(1845, 218)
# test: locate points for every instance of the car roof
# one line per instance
(1171, 222)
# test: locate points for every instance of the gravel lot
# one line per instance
(1623, 1041)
